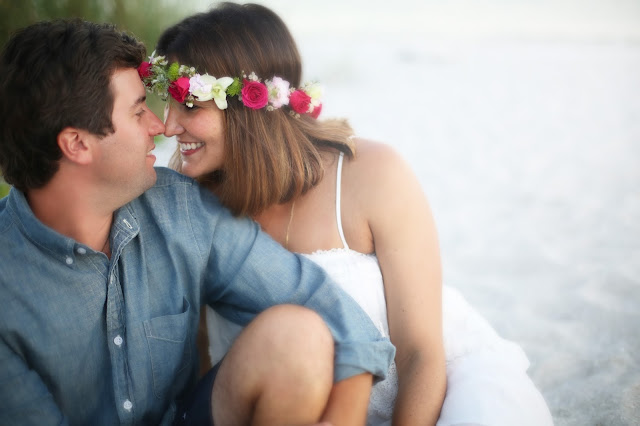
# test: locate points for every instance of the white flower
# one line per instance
(206, 87)
(157, 60)
(314, 90)
(278, 92)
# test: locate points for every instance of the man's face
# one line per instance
(124, 162)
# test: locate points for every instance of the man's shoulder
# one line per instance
(12, 239)
(169, 177)
(169, 186)
(3, 204)
(175, 195)
(5, 221)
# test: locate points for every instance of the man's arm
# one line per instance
(24, 398)
(248, 272)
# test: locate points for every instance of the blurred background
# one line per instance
(521, 119)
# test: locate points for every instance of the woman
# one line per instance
(251, 136)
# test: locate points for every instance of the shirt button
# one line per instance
(69, 260)
(81, 250)
(127, 405)
(118, 340)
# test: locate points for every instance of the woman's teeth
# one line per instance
(190, 146)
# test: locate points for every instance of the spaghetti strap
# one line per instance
(338, 212)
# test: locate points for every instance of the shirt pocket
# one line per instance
(169, 350)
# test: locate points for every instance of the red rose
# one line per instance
(144, 70)
(300, 101)
(255, 95)
(179, 89)
(316, 111)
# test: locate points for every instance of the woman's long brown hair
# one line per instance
(270, 156)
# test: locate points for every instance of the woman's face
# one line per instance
(200, 135)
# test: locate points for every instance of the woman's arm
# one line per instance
(348, 401)
(406, 244)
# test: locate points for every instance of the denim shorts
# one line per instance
(196, 408)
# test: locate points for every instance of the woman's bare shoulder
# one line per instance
(377, 163)
(370, 148)
(378, 174)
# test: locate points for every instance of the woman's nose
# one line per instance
(171, 125)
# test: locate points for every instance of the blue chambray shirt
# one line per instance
(88, 340)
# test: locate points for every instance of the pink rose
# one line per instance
(316, 111)
(179, 89)
(144, 70)
(299, 102)
(255, 95)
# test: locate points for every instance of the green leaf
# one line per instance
(234, 88)
(172, 72)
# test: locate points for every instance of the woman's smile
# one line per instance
(188, 148)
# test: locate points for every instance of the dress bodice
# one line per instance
(359, 275)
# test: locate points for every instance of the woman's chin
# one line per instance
(187, 170)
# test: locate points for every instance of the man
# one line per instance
(106, 261)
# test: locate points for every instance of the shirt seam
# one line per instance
(190, 219)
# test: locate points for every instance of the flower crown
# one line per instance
(186, 86)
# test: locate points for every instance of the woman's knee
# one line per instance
(284, 356)
(297, 350)
(284, 339)
(296, 334)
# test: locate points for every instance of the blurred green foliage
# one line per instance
(145, 19)
(4, 189)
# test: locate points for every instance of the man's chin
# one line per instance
(149, 181)
(153, 177)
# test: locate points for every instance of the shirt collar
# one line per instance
(65, 249)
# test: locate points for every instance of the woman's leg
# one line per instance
(278, 371)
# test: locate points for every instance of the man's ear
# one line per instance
(75, 145)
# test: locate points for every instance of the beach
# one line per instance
(527, 145)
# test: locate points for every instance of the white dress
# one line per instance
(487, 383)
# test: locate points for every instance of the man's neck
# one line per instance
(69, 210)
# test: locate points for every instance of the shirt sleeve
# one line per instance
(247, 272)
(24, 398)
